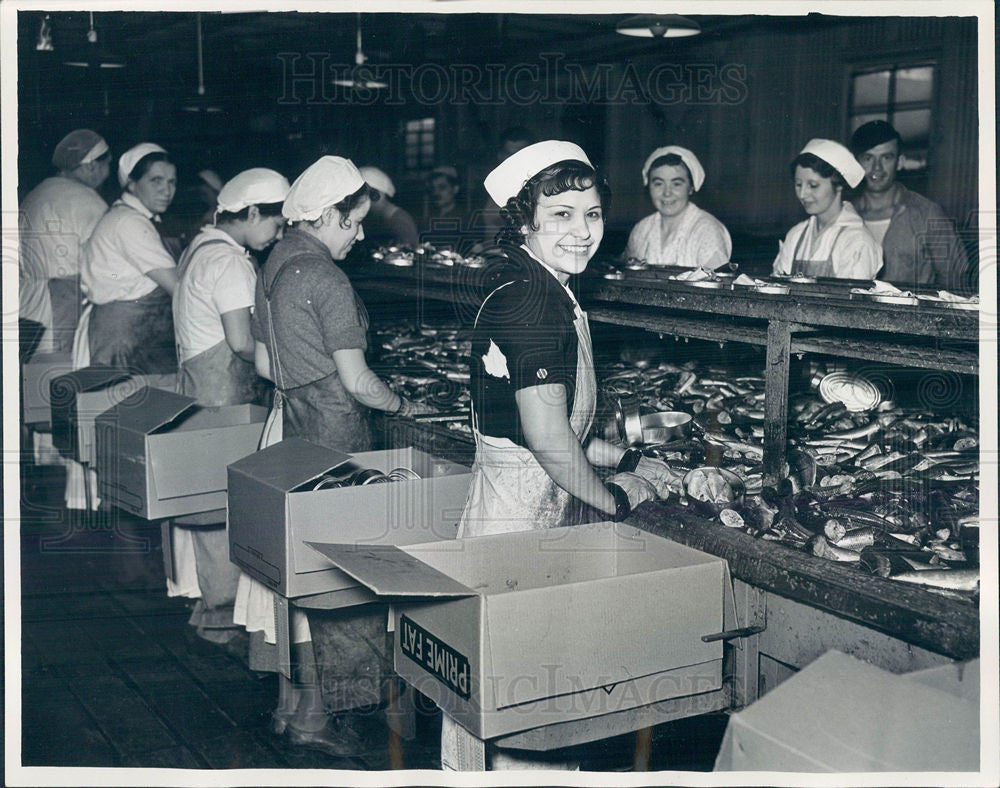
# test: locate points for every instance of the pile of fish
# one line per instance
(892, 491)
(428, 365)
(726, 405)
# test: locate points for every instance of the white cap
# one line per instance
(324, 183)
(211, 177)
(258, 186)
(838, 157)
(509, 177)
(686, 156)
(96, 152)
(377, 179)
(131, 157)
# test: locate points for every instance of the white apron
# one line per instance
(254, 607)
(510, 491)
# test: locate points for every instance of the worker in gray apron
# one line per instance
(833, 242)
(217, 279)
(310, 331)
(532, 376)
(127, 274)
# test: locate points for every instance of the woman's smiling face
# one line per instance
(670, 189)
(570, 228)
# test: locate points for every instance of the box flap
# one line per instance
(147, 409)
(289, 463)
(67, 386)
(389, 571)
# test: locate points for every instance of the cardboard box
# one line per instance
(273, 511)
(517, 631)
(839, 714)
(160, 455)
(36, 378)
(79, 397)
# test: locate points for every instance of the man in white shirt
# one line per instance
(54, 222)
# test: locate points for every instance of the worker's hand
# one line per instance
(638, 489)
(408, 408)
(663, 478)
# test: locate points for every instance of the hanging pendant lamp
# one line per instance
(658, 26)
(358, 81)
(200, 103)
(94, 55)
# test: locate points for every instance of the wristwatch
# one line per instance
(629, 461)
(622, 506)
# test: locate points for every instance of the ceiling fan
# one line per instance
(357, 79)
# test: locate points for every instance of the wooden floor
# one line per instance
(112, 675)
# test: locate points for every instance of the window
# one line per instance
(419, 141)
(902, 95)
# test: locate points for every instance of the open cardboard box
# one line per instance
(274, 510)
(839, 714)
(79, 397)
(160, 455)
(36, 377)
(517, 631)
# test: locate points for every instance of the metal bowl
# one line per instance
(664, 426)
(629, 423)
(708, 508)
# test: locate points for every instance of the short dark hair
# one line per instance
(352, 201)
(142, 166)
(563, 176)
(669, 160)
(817, 164)
(872, 133)
(266, 209)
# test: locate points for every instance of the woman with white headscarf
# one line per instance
(386, 222)
(310, 328)
(833, 241)
(212, 305)
(679, 233)
(127, 275)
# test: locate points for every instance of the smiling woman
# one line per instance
(532, 371)
(833, 241)
(679, 233)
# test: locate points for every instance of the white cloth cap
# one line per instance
(509, 177)
(131, 157)
(377, 179)
(211, 177)
(95, 153)
(324, 183)
(257, 186)
(838, 157)
(686, 156)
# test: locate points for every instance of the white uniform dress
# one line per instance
(844, 250)
(55, 220)
(700, 240)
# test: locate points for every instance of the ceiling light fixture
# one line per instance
(200, 103)
(357, 79)
(95, 56)
(658, 26)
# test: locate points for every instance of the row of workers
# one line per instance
(304, 327)
(300, 323)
